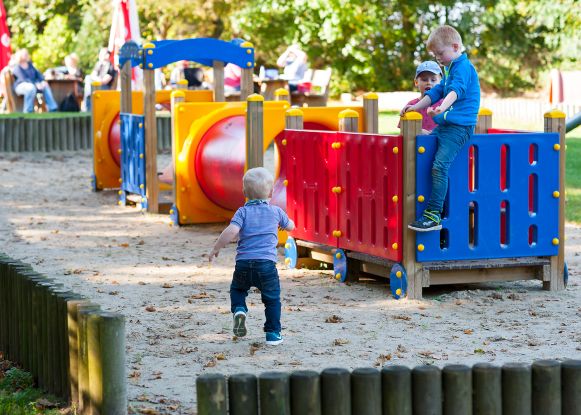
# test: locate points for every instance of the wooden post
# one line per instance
(247, 81)
(371, 113)
(83, 311)
(516, 389)
(336, 391)
(106, 348)
(349, 121)
(274, 393)
(218, 69)
(366, 391)
(487, 381)
(457, 386)
(555, 123)
(176, 98)
(126, 87)
(150, 133)
(546, 387)
(254, 132)
(396, 385)
(243, 394)
(484, 121)
(73, 339)
(294, 119)
(282, 94)
(182, 84)
(305, 392)
(211, 392)
(411, 126)
(427, 390)
(571, 383)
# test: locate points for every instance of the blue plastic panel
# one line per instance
(132, 153)
(487, 198)
(203, 51)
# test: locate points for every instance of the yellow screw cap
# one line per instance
(120, 203)
(395, 150)
(120, 192)
(421, 149)
(141, 156)
(398, 291)
(287, 260)
(338, 276)
(338, 255)
(184, 218)
(421, 247)
(141, 186)
(348, 113)
(556, 147)
(255, 97)
(249, 64)
(336, 189)
(140, 125)
(370, 95)
(150, 52)
(336, 145)
(283, 141)
(150, 65)
(285, 182)
(120, 180)
(394, 245)
(183, 189)
(287, 246)
(398, 274)
(421, 198)
(119, 151)
(556, 194)
(171, 211)
(337, 234)
(395, 199)
(555, 241)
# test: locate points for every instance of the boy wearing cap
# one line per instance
(456, 116)
(428, 75)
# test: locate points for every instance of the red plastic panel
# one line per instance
(115, 140)
(311, 172)
(370, 202)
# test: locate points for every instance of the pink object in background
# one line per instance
(5, 48)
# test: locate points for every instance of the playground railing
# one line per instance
(72, 348)
(545, 387)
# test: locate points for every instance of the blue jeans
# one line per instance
(451, 139)
(262, 274)
(29, 91)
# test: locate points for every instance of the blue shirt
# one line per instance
(259, 222)
(460, 77)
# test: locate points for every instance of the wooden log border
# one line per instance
(19, 134)
(72, 348)
(550, 386)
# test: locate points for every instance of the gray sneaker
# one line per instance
(239, 322)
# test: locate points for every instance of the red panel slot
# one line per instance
(370, 198)
(311, 166)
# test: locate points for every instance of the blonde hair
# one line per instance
(257, 183)
(444, 36)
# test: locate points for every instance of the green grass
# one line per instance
(45, 115)
(19, 397)
(388, 125)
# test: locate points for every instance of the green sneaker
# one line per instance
(430, 221)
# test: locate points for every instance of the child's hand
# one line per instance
(406, 109)
(432, 112)
(213, 254)
(425, 132)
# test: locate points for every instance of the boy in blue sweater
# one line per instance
(256, 223)
(456, 116)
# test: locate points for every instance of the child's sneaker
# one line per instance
(273, 338)
(430, 221)
(239, 322)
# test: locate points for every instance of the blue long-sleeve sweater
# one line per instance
(460, 77)
(30, 74)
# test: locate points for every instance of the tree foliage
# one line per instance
(370, 44)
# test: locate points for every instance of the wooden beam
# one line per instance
(349, 121)
(411, 126)
(255, 132)
(440, 277)
(126, 87)
(176, 98)
(151, 184)
(555, 123)
(218, 68)
(371, 113)
(294, 119)
(484, 121)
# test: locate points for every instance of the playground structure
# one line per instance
(208, 138)
(503, 218)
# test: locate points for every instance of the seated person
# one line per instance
(103, 72)
(428, 75)
(177, 73)
(28, 81)
(294, 62)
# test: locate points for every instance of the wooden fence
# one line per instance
(71, 133)
(526, 110)
(547, 387)
(72, 348)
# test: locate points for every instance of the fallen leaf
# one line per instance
(124, 245)
(254, 347)
(402, 317)
(113, 292)
(150, 308)
(210, 363)
(340, 342)
(333, 319)
(167, 285)
(140, 283)
(479, 351)
(468, 331)
(220, 356)
(135, 374)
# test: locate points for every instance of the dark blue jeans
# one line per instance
(262, 274)
(451, 139)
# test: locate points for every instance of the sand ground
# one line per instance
(131, 263)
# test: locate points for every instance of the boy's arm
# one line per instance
(227, 236)
(290, 226)
(420, 105)
(445, 104)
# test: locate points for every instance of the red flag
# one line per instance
(124, 27)
(5, 49)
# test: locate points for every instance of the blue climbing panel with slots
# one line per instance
(132, 154)
(502, 201)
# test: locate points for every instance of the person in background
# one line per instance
(294, 62)
(103, 72)
(28, 81)
(232, 78)
(71, 70)
(177, 73)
